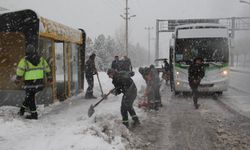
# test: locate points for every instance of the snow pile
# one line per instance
(65, 125)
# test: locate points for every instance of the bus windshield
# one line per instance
(210, 49)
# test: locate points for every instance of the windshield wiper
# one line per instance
(219, 64)
(184, 62)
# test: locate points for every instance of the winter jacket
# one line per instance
(33, 71)
(195, 73)
(123, 84)
(126, 65)
(90, 67)
(116, 65)
(166, 66)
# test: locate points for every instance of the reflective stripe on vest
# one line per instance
(34, 72)
(21, 67)
(31, 72)
(33, 86)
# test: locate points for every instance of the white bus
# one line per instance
(210, 41)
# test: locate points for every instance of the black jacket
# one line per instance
(123, 84)
(115, 65)
(90, 67)
(126, 65)
(195, 72)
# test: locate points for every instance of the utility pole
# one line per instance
(148, 28)
(157, 40)
(126, 18)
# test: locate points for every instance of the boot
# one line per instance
(93, 97)
(21, 111)
(32, 116)
(151, 105)
(136, 121)
(196, 106)
(87, 96)
(126, 124)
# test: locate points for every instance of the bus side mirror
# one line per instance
(171, 42)
(173, 36)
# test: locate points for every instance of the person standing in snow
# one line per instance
(196, 72)
(126, 64)
(32, 69)
(116, 64)
(166, 71)
(143, 71)
(90, 70)
(124, 84)
(156, 86)
(152, 92)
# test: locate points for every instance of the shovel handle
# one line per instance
(102, 99)
(99, 82)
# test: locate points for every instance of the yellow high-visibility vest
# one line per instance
(30, 72)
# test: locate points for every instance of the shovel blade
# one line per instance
(91, 111)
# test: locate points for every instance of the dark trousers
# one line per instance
(29, 101)
(127, 105)
(157, 94)
(90, 80)
(195, 94)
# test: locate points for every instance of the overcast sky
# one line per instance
(103, 16)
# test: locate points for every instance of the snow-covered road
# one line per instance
(65, 125)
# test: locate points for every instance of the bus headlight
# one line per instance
(225, 73)
(177, 74)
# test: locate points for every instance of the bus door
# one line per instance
(171, 57)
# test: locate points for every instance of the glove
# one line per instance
(105, 96)
(145, 94)
(17, 82)
(132, 73)
(113, 91)
(49, 79)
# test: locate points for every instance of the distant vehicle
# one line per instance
(210, 41)
(161, 69)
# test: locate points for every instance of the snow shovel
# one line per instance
(91, 110)
(99, 83)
